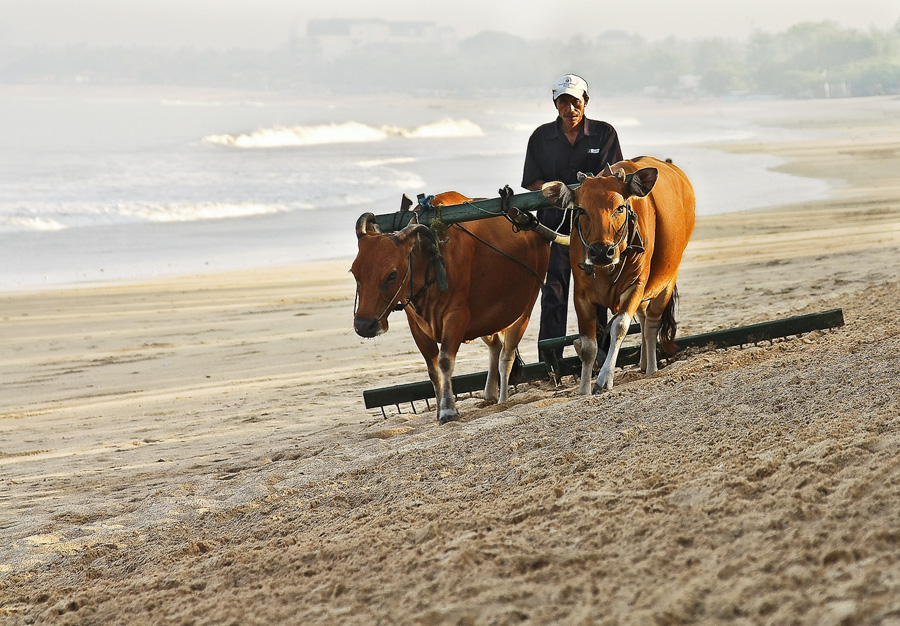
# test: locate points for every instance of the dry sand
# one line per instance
(196, 450)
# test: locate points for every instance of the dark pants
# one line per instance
(555, 301)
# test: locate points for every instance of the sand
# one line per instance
(196, 450)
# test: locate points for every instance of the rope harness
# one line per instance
(436, 262)
(388, 308)
(498, 250)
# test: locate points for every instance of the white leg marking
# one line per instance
(447, 410)
(617, 333)
(494, 379)
(649, 336)
(587, 350)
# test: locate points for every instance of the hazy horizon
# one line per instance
(268, 23)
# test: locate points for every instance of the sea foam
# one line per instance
(347, 132)
(195, 212)
(14, 223)
(81, 215)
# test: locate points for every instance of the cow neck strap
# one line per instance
(434, 261)
(632, 246)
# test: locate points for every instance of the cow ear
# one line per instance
(642, 181)
(559, 195)
(583, 176)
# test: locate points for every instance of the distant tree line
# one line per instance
(808, 60)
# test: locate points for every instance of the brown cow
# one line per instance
(629, 231)
(493, 276)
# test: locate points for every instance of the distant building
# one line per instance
(334, 38)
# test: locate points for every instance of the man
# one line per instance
(558, 151)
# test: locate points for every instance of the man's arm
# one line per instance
(533, 175)
(614, 151)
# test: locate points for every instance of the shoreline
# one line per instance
(123, 252)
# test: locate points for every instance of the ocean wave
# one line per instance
(387, 161)
(77, 215)
(17, 224)
(347, 132)
(285, 137)
(443, 128)
(189, 212)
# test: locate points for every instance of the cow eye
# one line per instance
(620, 209)
(390, 278)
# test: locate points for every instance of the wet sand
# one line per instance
(196, 450)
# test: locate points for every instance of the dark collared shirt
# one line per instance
(551, 157)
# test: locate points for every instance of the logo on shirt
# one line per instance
(593, 150)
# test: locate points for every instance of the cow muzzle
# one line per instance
(369, 327)
(602, 255)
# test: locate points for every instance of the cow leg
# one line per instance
(649, 335)
(511, 338)
(447, 400)
(618, 330)
(645, 324)
(586, 344)
(650, 331)
(429, 349)
(454, 328)
(641, 316)
(494, 378)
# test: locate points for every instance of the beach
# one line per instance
(195, 449)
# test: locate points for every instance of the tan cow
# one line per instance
(630, 227)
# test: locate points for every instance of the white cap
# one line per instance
(571, 84)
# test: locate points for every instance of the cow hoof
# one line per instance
(448, 416)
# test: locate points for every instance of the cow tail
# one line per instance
(668, 325)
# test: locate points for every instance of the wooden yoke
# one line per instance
(466, 212)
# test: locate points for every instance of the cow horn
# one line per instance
(366, 225)
(607, 171)
(405, 203)
(411, 229)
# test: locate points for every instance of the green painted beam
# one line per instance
(467, 212)
(753, 333)
(465, 383)
(738, 336)
(629, 355)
